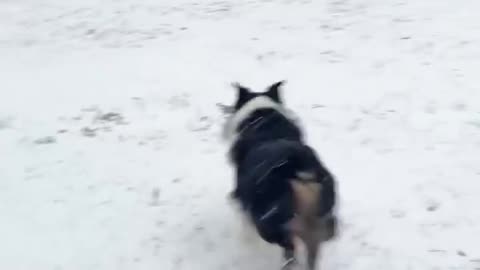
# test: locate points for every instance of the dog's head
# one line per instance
(245, 95)
(247, 102)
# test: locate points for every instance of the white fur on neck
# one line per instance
(261, 102)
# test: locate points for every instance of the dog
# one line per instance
(281, 184)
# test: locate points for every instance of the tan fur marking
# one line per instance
(305, 225)
(306, 196)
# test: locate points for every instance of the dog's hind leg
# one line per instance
(312, 253)
(288, 256)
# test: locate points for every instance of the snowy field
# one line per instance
(110, 149)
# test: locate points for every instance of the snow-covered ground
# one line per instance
(110, 150)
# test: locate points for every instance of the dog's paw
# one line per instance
(289, 264)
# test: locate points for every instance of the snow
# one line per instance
(111, 156)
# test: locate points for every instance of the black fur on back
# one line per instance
(268, 153)
(262, 126)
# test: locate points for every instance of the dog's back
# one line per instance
(279, 180)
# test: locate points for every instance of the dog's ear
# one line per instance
(243, 94)
(273, 91)
(242, 91)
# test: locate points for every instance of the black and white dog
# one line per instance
(280, 182)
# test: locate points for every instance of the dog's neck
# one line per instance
(231, 131)
(255, 123)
